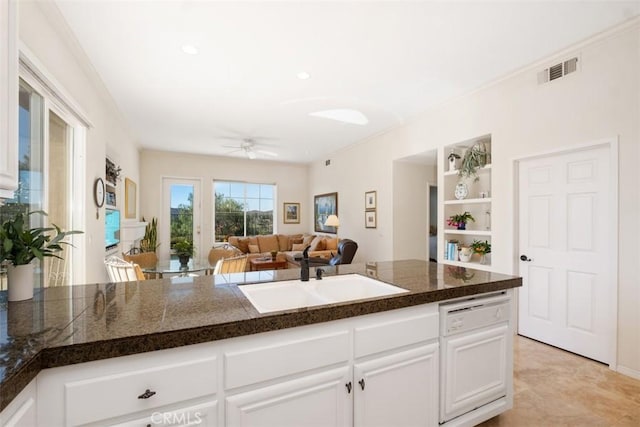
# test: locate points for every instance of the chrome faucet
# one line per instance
(304, 265)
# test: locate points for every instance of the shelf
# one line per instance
(455, 172)
(474, 265)
(468, 232)
(467, 201)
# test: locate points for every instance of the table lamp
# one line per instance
(333, 221)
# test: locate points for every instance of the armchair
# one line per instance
(346, 251)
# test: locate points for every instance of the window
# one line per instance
(243, 209)
(47, 161)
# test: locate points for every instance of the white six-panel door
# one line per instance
(565, 214)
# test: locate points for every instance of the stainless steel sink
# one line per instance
(276, 296)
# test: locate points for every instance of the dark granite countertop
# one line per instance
(67, 325)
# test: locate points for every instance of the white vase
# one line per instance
(20, 282)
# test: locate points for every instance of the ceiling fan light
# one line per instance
(251, 154)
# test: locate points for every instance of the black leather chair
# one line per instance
(346, 251)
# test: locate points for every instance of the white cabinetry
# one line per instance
(21, 412)
(318, 400)
(130, 389)
(411, 374)
(477, 202)
(377, 369)
(476, 370)
(8, 98)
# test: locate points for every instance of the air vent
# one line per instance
(558, 70)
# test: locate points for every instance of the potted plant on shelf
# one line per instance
(19, 245)
(481, 248)
(460, 220)
(476, 157)
(184, 249)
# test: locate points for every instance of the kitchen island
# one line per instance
(65, 326)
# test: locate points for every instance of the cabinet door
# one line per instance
(21, 412)
(398, 390)
(202, 415)
(321, 400)
(8, 99)
(475, 370)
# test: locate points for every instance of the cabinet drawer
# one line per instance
(202, 415)
(395, 331)
(109, 396)
(291, 357)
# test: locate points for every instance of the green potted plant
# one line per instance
(149, 243)
(460, 220)
(481, 248)
(184, 249)
(476, 157)
(19, 245)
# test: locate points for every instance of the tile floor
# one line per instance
(555, 388)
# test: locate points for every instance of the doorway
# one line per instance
(433, 222)
(567, 241)
(181, 214)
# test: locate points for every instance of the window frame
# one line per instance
(274, 188)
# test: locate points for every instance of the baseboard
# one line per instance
(480, 414)
(633, 373)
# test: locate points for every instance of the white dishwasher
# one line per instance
(474, 338)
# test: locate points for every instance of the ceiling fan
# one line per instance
(248, 146)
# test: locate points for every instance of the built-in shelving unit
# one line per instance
(478, 203)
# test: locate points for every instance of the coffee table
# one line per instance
(258, 264)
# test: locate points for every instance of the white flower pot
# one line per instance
(20, 282)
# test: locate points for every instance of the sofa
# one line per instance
(288, 246)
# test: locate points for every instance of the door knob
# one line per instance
(525, 258)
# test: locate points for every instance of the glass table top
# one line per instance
(174, 266)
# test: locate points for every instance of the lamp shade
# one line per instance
(332, 221)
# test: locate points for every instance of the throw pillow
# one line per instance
(331, 244)
(317, 244)
(298, 247)
(283, 242)
(243, 245)
(254, 249)
(268, 243)
(306, 239)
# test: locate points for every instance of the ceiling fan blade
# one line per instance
(267, 153)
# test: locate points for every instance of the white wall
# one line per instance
(598, 102)
(45, 34)
(291, 181)
(410, 209)
(352, 172)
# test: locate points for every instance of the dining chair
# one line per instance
(120, 270)
(143, 260)
(231, 265)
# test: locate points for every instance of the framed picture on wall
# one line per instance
(291, 213)
(129, 198)
(370, 201)
(323, 206)
(370, 219)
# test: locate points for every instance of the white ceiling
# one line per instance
(390, 60)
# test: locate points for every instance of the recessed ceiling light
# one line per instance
(190, 49)
(303, 75)
(353, 117)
